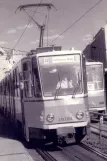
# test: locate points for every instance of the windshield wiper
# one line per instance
(57, 89)
(76, 87)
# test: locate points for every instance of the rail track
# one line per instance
(97, 152)
(73, 155)
(45, 155)
(72, 152)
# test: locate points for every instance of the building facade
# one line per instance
(97, 49)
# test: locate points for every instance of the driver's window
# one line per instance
(27, 79)
(36, 80)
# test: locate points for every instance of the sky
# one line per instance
(68, 11)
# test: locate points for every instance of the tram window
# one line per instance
(16, 90)
(17, 82)
(11, 87)
(27, 79)
(0, 89)
(13, 80)
(36, 82)
(7, 87)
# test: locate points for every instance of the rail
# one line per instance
(45, 155)
(102, 155)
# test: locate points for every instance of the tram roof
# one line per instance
(62, 52)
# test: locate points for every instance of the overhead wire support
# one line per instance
(50, 5)
(41, 27)
(26, 26)
(75, 21)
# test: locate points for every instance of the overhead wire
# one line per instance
(48, 25)
(76, 21)
(26, 27)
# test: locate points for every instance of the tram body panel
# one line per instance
(64, 111)
(33, 111)
(97, 100)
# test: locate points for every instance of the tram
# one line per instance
(96, 87)
(45, 95)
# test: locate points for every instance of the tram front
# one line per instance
(64, 92)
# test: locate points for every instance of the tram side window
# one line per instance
(36, 82)
(16, 82)
(13, 81)
(27, 79)
(8, 87)
(1, 88)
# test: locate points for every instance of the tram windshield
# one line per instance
(94, 77)
(62, 73)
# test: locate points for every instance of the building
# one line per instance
(97, 49)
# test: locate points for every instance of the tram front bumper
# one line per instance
(56, 126)
(65, 130)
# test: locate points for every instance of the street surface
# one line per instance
(10, 148)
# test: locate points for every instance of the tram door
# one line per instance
(26, 92)
(27, 80)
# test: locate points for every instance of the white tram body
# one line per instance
(96, 88)
(38, 97)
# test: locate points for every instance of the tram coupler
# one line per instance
(61, 140)
(65, 134)
(66, 139)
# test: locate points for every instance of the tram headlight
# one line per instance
(79, 115)
(50, 117)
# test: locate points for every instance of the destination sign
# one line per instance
(59, 59)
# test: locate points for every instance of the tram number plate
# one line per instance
(65, 119)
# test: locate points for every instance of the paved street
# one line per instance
(10, 148)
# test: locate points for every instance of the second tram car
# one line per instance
(96, 88)
(46, 96)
